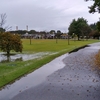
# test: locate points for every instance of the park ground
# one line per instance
(11, 71)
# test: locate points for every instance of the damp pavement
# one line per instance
(69, 77)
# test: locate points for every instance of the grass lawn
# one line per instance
(14, 70)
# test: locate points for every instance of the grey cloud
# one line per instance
(45, 14)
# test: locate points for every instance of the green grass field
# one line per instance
(14, 70)
(43, 45)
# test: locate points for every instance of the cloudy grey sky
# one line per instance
(45, 15)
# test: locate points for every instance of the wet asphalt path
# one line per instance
(78, 80)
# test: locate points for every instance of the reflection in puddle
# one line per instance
(33, 79)
(22, 57)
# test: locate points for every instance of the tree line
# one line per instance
(81, 29)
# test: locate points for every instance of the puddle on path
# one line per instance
(33, 79)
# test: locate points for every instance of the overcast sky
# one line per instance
(45, 15)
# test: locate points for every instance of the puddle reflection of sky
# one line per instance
(22, 57)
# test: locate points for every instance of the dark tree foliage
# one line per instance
(93, 26)
(10, 42)
(58, 34)
(32, 32)
(52, 32)
(95, 7)
(98, 26)
(95, 34)
(21, 32)
(79, 27)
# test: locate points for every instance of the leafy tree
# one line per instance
(10, 42)
(95, 34)
(78, 27)
(98, 26)
(86, 31)
(93, 26)
(95, 7)
(58, 34)
(32, 32)
(52, 32)
(21, 32)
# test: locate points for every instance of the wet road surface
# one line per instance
(79, 79)
(31, 80)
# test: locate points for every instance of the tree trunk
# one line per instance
(8, 58)
(8, 53)
(78, 38)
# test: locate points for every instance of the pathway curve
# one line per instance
(77, 80)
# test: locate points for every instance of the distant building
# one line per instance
(64, 36)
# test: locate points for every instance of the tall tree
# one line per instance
(78, 27)
(58, 34)
(95, 7)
